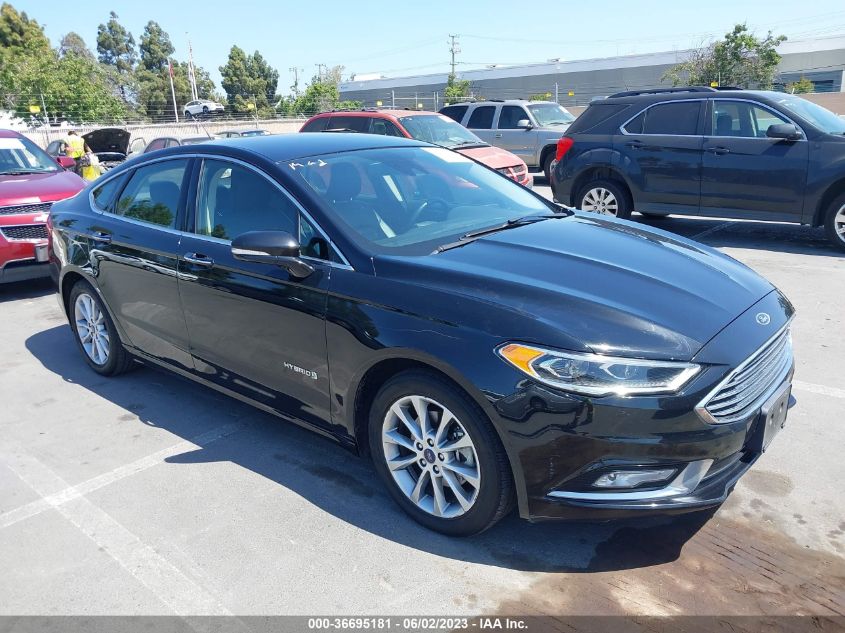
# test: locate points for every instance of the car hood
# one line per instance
(492, 156)
(34, 188)
(609, 286)
(108, 140)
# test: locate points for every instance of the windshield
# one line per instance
(19, 155)
(410, 200)
(550, 114)
(440, 130)
(821, 117)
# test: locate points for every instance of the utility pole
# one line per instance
(320, 70)
(454, 49)
(295, 85)
(192, 76)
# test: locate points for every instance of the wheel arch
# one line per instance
(599, 172)
(834, 190)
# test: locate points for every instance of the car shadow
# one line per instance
(346, 486)
(31, 289)
(769, 236)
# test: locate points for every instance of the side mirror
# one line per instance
(524, 124)
(66, 162)
(279, 248)
(786, 131)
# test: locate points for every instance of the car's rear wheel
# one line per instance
(188, 115)
(438, 455)
(835, 222)
(606, 197)
(95, 333)
(547, 166)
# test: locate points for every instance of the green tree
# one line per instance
(544, 96)
(155, 47)
(456, 89)
(740, 59)
(802, 86)
(249, 81)
(72, 43)
(19, 34)
(116, 48)
(155, 100)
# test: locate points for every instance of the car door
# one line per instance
(519, 141)
(253, 328)
(747, 174)
(481, 122)
(659, 150)
(134, 246)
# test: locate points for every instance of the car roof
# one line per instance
(9, 134)
(498, 101)
(691, 93)
(385, 112)
(282, 147)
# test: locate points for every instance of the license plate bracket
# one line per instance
(772, 419)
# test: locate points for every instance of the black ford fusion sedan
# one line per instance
(485, 347)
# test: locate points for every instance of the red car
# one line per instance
(423, 126)
(30, 182)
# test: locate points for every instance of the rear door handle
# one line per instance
(497, 136)
(719, 151)
(199, 259)
(100, 236)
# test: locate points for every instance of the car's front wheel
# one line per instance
(835, 222)
(438, 455)
(606, 197)
(95, 333)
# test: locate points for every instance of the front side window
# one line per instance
(19, 155)
(104, 194)
(156, 144)
(316, 125)
(440, 130)
(384, 127)
(153, 193)
(234, 199)
(341, 123)
(409, 200)
(510, 116)
(482, 118)
(455, 112)
(679, 118)
(550, 114)
(742, 119)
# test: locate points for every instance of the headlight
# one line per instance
(597, 375)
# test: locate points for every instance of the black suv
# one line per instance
(701, 151)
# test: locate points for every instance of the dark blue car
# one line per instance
(699, 151)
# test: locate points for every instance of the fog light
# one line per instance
(631, 478)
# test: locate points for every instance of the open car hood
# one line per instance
(112, 140)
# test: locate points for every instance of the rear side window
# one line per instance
(455, 112)
(316, 125)
(104, 194)
(348, 124)
(595, 115)
(672, 119)
(153, 193)
(482, 118)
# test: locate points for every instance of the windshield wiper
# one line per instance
(468, 238)
(24, 172)
(467, 144)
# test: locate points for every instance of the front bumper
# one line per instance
(23, 261)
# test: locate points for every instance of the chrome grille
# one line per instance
(18, 209)
(25, 232)
(745, 388)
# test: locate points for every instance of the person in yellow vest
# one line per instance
(89, 165)
(75, 148)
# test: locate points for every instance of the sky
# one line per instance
(411, 38)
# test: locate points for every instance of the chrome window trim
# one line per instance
(701, 407)
(287, 194)
(624, 132)
(764, 107)
(345, 265)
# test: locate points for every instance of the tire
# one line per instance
(547, 166)
(88, 314)
(834, 222)
(479, 456)
(615, 194)
(205, 110)
(188, 115)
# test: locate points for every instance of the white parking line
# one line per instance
(68, 493)
(712, 230)
(819, 389)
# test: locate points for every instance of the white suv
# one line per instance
(202, 107)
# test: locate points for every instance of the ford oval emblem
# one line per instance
(763, 318)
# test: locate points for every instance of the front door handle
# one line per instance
(100, 236)
(497, 136)
(719, 151)
(199, 259)
(635, 144)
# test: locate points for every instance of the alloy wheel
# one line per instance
(839, 223)
(90, 322)
(600, 200)
(431, 456)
